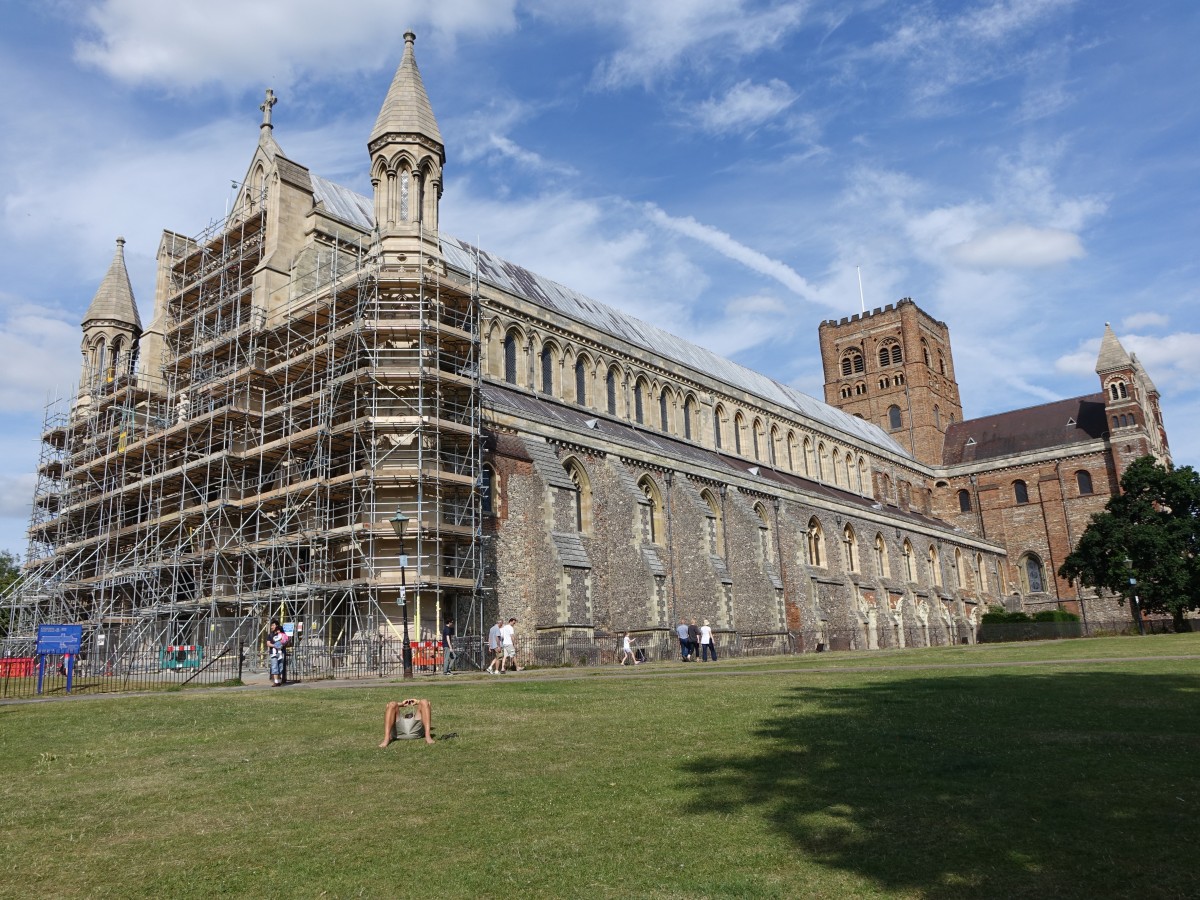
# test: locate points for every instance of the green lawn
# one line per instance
(772, 778)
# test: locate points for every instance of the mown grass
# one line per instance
(1073, 779)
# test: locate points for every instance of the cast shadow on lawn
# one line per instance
(1055, 785)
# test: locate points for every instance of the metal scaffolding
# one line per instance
(253, 476)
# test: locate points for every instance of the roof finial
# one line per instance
(266, 108)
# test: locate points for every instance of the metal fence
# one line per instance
(174, 667)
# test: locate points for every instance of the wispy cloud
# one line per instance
(1018, 246)
(745, 105)
(239, 43)
(733, 249)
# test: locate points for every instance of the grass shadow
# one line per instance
(1055, 785)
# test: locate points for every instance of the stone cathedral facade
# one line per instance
(321, 360)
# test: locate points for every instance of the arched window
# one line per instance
(941, 363)
(687, 417)
(850, 549)
(764, 534)
(935, 569)
(864, 480)
(860, 389)
(771, 445)
(883, 383)
(809, 463)
(925, 353)
(937, 416)
(848, 463)
(664, 411)
(510, 357)
(581, 381)
(716, 534)
(820, 462)
(837, 465)
(654, 525)
(1116, 422)
(739, 425)
(816, 543)
(982, 572)
(1084, 479)
(718, 413)
(960, 570)
(583, 494)
(964, 501)
(487, 490)
(610, 385)
(898, 379)
(1020, 491)
(1118, 390)
(897, 355)
(894, 420)
(910, 563)
(791, 451)
(756, 435)
(547, 369)
(852, 363)
(1031, 573)
(881, 556)
(639, 391)
(885, 356)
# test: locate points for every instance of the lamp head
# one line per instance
(399, 522)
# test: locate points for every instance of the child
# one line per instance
(627, 650)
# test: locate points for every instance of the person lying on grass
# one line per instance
(392, 712)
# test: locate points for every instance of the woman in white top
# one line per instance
(707, 644)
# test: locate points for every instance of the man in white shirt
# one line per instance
(508, 644)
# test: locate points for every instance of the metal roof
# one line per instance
(357, 210)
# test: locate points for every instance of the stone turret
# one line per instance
(407, 156)
(111, 327)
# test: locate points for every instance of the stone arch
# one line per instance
(583, 493)
(716, 524)
(655, 530)
(815, 542)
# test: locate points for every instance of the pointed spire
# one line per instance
(266, 131)
(1112, 354)
(406, 109)
(114, 300)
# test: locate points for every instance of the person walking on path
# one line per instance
(391, 713)
(448, 651)
(707, 643)
(508, 646)
(627, 650)
(494, 646)
(694, 640)
(685, 643)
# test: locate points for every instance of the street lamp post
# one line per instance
(399, 522)
(1137, 606)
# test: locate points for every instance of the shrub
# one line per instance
(1054, 615)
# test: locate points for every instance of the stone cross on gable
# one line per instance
(266, 107)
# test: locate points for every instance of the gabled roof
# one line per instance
(406, 109)
(1058, 424)
(114, 299)
(1112, 354)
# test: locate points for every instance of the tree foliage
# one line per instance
(1154, 523)
(10, 571)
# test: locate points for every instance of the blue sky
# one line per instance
(1026, 170)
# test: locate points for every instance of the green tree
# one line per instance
(1154, 523)
(10, 571)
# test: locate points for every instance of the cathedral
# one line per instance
(345, 417)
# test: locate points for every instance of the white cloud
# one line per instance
(1173, 361)
(1144, 320)
(732, 249)
(1018, 246)
(660, 36)
(39, 351)
(745, 105)
(237, 43)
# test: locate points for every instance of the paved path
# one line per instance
(737, 667)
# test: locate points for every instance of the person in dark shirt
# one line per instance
(694, 639)
(685, 642)
(448, 651)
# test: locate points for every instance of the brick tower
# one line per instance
(893, 367)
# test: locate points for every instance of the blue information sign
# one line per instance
(59, 638)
